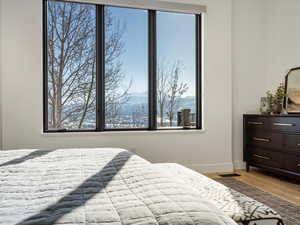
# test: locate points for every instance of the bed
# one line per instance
(241, 208)
(96, 187)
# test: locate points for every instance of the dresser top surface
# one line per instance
(279, 115)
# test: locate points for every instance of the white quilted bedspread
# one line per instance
(96, 187)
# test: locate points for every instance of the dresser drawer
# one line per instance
(293, 143)
(286, 124)
(264, 157)
(292, 163)
(265, 139)
(256, 122)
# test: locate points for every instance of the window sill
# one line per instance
(125, 133)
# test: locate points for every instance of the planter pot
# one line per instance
(277, 108)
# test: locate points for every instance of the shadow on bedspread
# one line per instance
(53, 213)
(32, 155)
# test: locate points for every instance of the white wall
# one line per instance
(249, 59)
(265, 46)
(22, 87)
(0, 79)
(283, 34)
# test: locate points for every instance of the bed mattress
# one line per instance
(96, 187)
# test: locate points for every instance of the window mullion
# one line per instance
(45, 66)
(100, 71)
(152, 49)
(198, 71)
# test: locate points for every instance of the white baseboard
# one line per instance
(239, 165)
(211, 168)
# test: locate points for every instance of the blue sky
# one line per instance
(175, 40)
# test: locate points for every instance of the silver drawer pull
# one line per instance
(255, 123)
(298, 165)
(261, 157)
(284, 124)
(261, 139)
(298, 144)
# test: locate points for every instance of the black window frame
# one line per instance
(100, 73)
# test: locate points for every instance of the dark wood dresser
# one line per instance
(273, 142)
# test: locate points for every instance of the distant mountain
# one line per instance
(138, 101)
(188, 102)
(138, 98)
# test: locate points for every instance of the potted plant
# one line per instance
(276, 100)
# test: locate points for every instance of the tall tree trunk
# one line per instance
(59, 87)
(86, 106)
(58, 107)
(161, 114)
(171, 119)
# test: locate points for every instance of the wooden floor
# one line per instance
(280, 187)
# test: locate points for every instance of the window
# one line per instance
(114, 68)
(176, 80)
(71, 74)
(126, 68)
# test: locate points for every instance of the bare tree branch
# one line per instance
(71, 65)
(169, 90)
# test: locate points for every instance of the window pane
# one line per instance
(176, 71)
(71, 65)
(126, 68)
